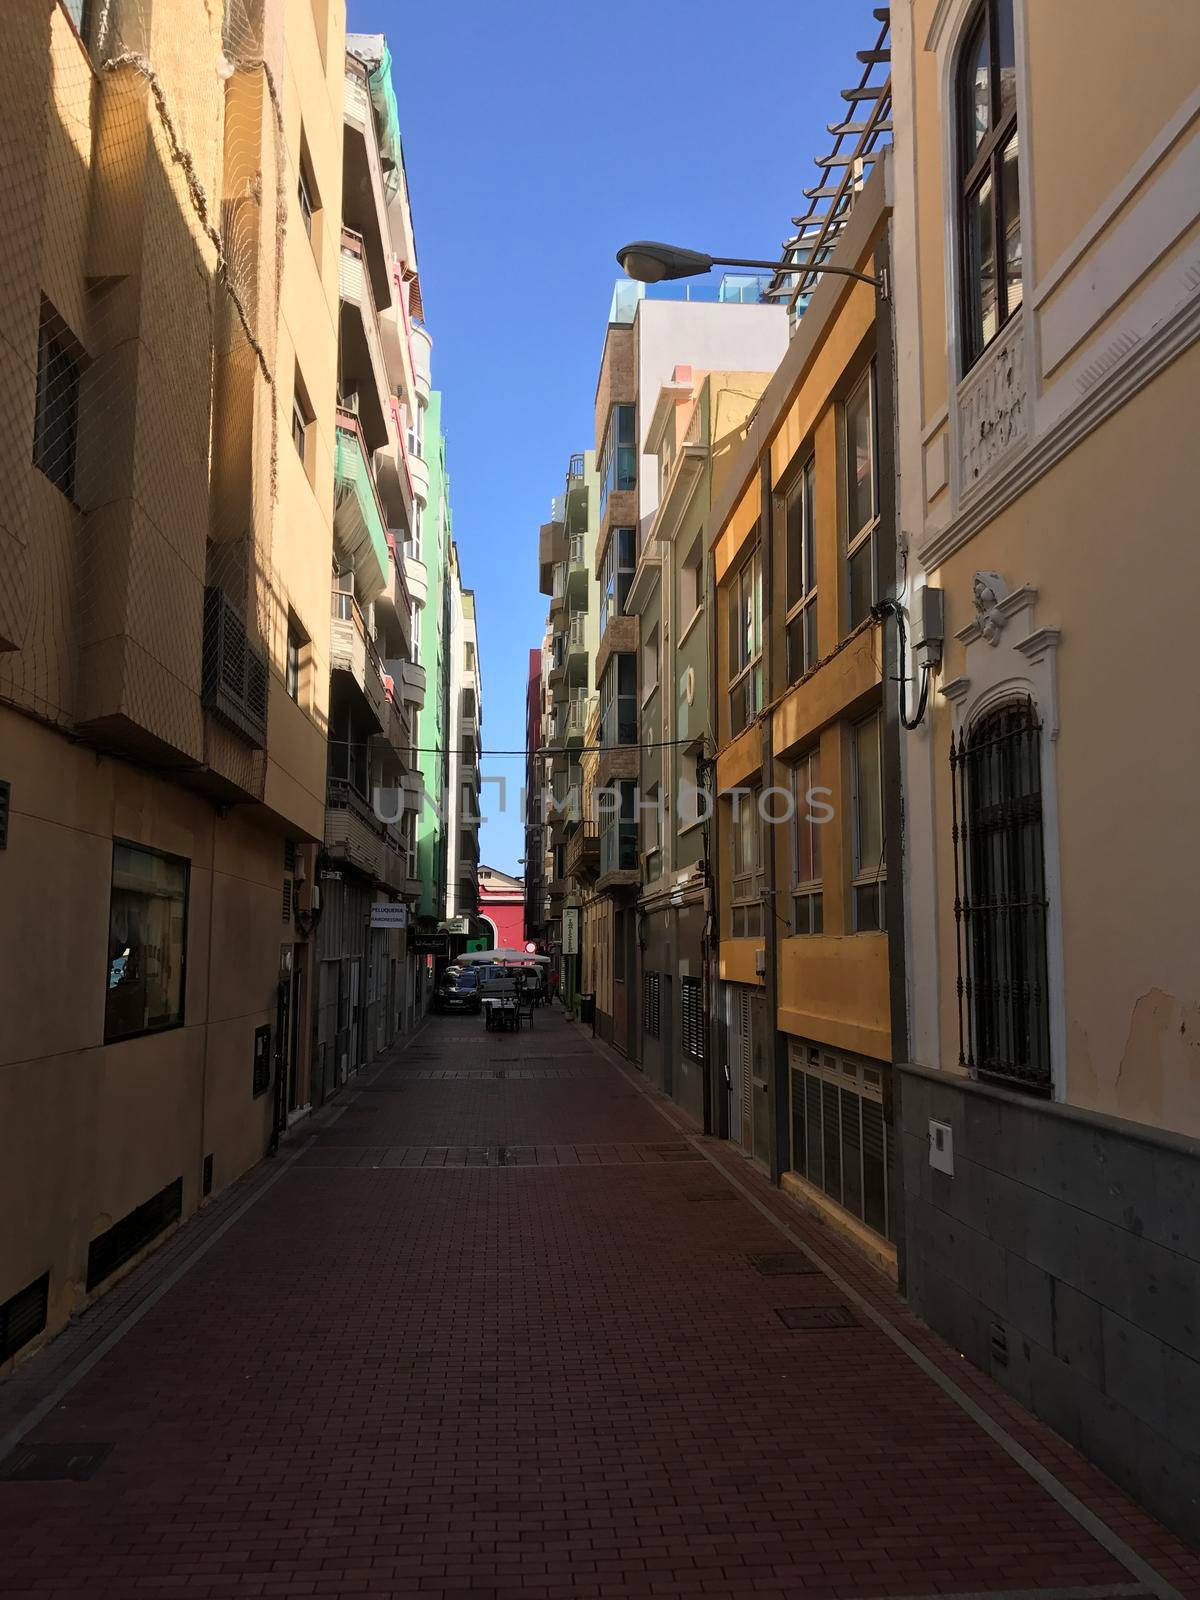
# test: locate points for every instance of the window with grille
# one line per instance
(800, 529)
(1000, 899)
(691, 1005)
(989, 192)
(840, 1139)
(748, 882)
(807, 897)
(650, 1004)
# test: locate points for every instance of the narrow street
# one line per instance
(502, 1328)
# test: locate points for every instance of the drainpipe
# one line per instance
(890, 582)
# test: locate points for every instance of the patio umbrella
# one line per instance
(503, 957)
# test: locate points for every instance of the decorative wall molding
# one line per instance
(1151, 226)
(1119, 197)
(993, 408)
(1145, 360)
(995, 608)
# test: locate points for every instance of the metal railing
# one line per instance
(857, 141)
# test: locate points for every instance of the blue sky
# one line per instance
(539, 137)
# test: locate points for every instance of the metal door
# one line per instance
(760, 1070)
(354, 1015)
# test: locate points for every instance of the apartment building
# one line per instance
(697, 421)
(169, 436)
(566, 556)
(1047, 260)
(463, 745)
(648, 341)
(535, 770)
(366, 990)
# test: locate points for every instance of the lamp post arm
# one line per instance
(805, 270)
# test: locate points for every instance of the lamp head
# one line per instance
(650, 262)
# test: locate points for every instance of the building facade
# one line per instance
(1047, 363)
(649, 342)
(164, 621)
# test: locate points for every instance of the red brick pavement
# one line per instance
(496, 1377)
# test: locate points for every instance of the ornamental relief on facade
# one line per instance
(993, 408)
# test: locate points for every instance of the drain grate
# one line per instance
(813, 1319)
(717, 1196)
(783, 1264)
(47, 1463)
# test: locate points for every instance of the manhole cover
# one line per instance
(717, 1196)
(783, 1264)
(813, 1318)
(43, 1463)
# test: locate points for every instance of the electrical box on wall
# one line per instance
(928, 622)
(941, 1147)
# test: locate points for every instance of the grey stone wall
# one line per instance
(1063, 1257)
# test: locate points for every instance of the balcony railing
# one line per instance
(352, 650)
(358, 511)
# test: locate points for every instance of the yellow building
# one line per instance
(1046, 188)
(169, 337)
(801, 549)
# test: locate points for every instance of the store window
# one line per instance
(147, 942)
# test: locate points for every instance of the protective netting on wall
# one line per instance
(147, 183)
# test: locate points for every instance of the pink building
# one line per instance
(502, 905)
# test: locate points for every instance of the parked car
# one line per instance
(457, 990)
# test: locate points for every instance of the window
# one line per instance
(618, 701)
(619, 828)
(989, 193)
(691, 583)
(306, 189)
(616, 576)
(691, 1006)
(301, 417)
(799, 519)
(745, 644)
(650, 1004)
(862, 500)
(56, 405)
(840, 1140)
(650, 664)
(468, 657)
(748, 882)
(147, 942)
(997, 771)
(618, 453)
(652, 833)
(690, 802)
(418, 611)
(869, 867)
(291, 669)
(807, 901)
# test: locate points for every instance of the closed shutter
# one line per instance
(747, 1062)
(650, 1004)
(691, 997)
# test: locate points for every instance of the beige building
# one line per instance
(169, 338)
(1046, 188)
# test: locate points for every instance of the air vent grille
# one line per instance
(23, 1316)
(120, 1243)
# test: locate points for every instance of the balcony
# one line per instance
(351, 650)
(361, 364)
(353, 833)
(558, 590)
(583, 852)
(364, 185)
(416, 576)
(419, 468)
(410, 683)
(578, 574)
(552, 551)
(358, 520)
(422, 350)
(393, 611)
(396, 327)
(470, 711)
(396, 739)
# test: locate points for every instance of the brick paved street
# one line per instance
(499, 1329)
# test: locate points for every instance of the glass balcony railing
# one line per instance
(731, 288)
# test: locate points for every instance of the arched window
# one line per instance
(989, 193)
(1000, 898)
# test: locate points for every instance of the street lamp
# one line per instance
(647, 261)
